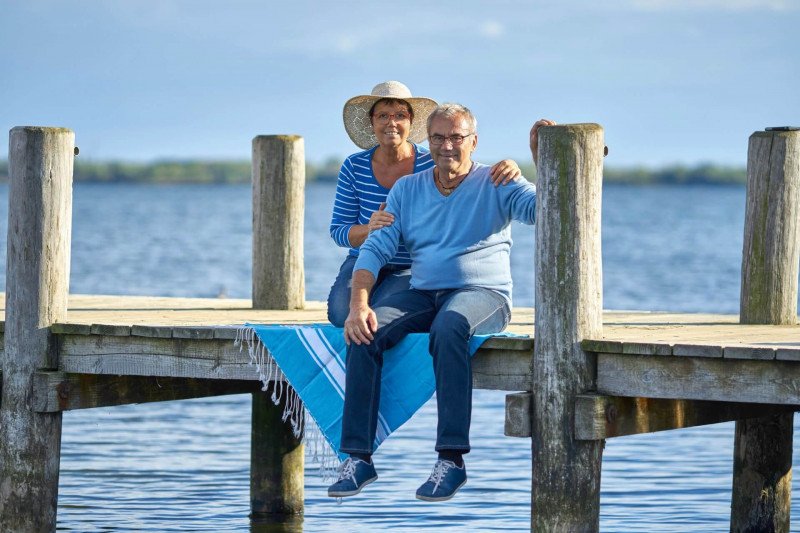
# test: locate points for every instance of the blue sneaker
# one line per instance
(354, 475)
(444, 482)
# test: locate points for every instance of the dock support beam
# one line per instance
(276, 455)
(37, 285)
(566, 471)
(762, 461)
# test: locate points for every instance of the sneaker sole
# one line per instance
(344, 494)
(441, 498)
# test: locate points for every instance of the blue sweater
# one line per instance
(455, 241)
(358, 195)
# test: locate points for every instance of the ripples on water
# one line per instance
(184, 466)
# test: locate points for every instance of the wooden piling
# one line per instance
(276, 455)
(278, 205)
(762, 462)
(566, 471)
(37, 284)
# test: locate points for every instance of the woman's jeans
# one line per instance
(391, 279)
(452, 317)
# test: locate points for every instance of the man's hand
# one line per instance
(360, 324)
(535, 137)
(505, 171)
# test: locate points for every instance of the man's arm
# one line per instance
(376, 251)
(361, 323)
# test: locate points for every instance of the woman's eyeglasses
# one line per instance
(400, 116)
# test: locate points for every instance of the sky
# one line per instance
(670, 81)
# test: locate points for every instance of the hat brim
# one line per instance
(359, 127)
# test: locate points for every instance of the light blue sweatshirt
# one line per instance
(455, 241)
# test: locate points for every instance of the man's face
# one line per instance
(449, 156)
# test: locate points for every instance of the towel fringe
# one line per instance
(303, 424)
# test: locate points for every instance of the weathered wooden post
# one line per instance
(37, 285)
(276, 455)
(569, 304)
(279, 178)
(762, 459)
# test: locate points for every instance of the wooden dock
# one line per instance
(706, 357)
(581, 376)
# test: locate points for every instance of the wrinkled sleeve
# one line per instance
(519, 200)
(381, 245)
(345, 206)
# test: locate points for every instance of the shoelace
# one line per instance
(439, 471)
(348, 470)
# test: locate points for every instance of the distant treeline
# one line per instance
(239, 172)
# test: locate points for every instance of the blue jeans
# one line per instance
(452, 317)
(391, 279)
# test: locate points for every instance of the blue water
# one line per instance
(183, 466)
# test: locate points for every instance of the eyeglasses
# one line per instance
(400, 116)
(456, 139)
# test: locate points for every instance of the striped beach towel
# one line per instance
(312, 359)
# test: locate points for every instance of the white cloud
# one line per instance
(492, 29)
(346, 44)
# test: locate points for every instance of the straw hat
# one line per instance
(356, 113)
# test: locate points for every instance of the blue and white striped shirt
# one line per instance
(358, 195)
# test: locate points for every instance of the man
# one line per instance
(455, 224)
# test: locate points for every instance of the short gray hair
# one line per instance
(450, 110)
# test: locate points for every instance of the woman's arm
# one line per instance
(345, 210)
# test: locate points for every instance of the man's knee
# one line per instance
(447, 328)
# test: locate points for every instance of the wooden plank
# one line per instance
(634, 327)
(226, 332)
(71, 329)
(509, 343)
(496, 369)
(699, 378)
(601, 345)
(143, 356)
(749, 352)
(696, 350)
(116, 330)
(787, 354)
(161, 332)
(58, 391)
(518, 414)
(600, 417)
(193, 332)
(646, 348)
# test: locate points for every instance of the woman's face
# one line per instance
(391, 124)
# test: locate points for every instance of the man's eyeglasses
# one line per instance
(400, 116)
(456, 139)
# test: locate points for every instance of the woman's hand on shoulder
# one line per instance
(380, 218)
(504, 172)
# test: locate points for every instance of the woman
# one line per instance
(387, 123)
